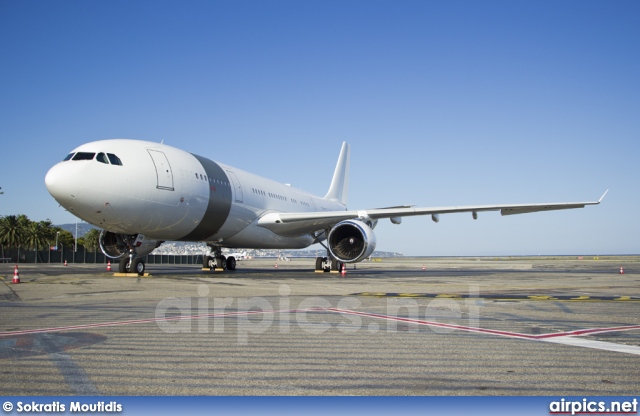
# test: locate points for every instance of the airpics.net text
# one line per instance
(312, 314)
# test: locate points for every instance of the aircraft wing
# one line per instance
(299, 223)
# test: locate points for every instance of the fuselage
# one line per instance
(164, 193)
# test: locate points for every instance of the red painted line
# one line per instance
(578, 332)
(146, 321)
(438, 324)
(590, 331)
(509, 334)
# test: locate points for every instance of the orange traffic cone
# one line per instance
(276, 265)
(108, 265)
(65, 262)
(621, 270)
(343, 271)
(16, 275)
(423, 268)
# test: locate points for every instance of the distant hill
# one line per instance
(83, 228)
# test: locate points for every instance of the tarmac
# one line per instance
(433, 326)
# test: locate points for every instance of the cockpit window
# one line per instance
(84, 156)
(115, 160)
(102, 158)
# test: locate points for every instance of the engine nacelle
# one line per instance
(117, 246)
(351, 241)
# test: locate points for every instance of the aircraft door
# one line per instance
(236, 186)
(163, 170)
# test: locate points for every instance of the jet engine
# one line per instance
(117, 246)
(351, 241)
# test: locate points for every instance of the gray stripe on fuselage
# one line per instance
(219, 202)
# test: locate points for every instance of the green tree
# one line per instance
(48, 232)
(91, 240)
(65, 238)
(18, 231)
(11, 231)
(34, 237)
(23, 221)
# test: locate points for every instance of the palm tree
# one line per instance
(11, 232)
(48, 231)
(91, 239)
(23, 220)
(35, 237)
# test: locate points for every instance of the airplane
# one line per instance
(142, 193)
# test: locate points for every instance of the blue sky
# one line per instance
(443, 102)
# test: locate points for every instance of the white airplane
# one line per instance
(143, 193)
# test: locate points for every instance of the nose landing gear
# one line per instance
(132, 264)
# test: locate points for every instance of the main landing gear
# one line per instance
(328, 264)
(217, 261)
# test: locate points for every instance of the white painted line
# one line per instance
(590, 343)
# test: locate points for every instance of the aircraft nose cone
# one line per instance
(54, 182)
(63, 184)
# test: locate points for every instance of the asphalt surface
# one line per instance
(458, 327)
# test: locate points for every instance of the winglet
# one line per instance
(338, 191)
(602, 197)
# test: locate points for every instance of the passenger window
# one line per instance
(69, 156)
(102, 158)
(115, 160)
(84, 156)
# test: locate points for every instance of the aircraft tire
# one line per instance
(122, 265)
(336, 265)
(221, 262)
(138, 267)
(319, 263)
(231, 263)
(206, 262)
